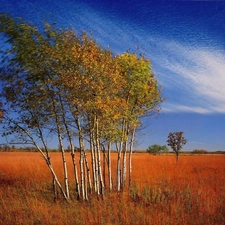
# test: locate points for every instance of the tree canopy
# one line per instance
(176, 141)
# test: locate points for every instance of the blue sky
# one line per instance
(185, 41)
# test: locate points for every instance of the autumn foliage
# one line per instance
(163, 192)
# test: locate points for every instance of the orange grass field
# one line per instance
(163, 192)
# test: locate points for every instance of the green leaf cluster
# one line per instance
(154, 149)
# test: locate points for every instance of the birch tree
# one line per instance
(25, 119)
(28, 75)
(142, 95)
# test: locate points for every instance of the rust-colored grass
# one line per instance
(163, 192)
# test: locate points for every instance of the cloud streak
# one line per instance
(200, 73)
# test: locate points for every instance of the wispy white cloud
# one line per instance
(182, 108)
(198, 73)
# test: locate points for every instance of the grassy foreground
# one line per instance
(163, 192)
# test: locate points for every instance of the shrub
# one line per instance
(200, 151)
(154, 149)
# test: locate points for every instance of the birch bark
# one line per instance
(59, 129)
(99, 160)
(130, 156)
(72, 149)
(109, 167)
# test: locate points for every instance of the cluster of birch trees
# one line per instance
(55, 82)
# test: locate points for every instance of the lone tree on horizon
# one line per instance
(176, 141)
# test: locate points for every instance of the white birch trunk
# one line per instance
(77, 187)
(62, 149)
(99, 161)
(75, 172)
(126, 132)
(85, 180)
(82, 175)
(64, 166)
(48, 162)
(119, 167)
(93, 159)
(124, 171)
(130, 156)
(88, 172)
(46, 158)
(104, 164)
(96, 164)
(109, 167)
(119, 180)
(81, 143)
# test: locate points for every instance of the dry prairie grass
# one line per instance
(163, 192)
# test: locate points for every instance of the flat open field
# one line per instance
(163, 192)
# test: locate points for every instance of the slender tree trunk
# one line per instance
(119, 167)
(104, 164)
(124, 170)
(46, 157)
(57, 182)
(96, 163)
(81, 143)
(119, 179)
(130, 156)
(93, 160)
(99, 161)
(177, 155)
(47, 160)
(82, 159)
(88, 172)
(58, 125)
(85, 180)
(82, 174)
(124, 173)
(66, 181)
(61, 148)
(125, 148)
(109, 167)
(75, 173)
(54, 189)
(77, 187)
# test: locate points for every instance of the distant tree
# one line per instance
(176, 141)
(154, 149)
(200, 151)
(7, 148)
(220, 152)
